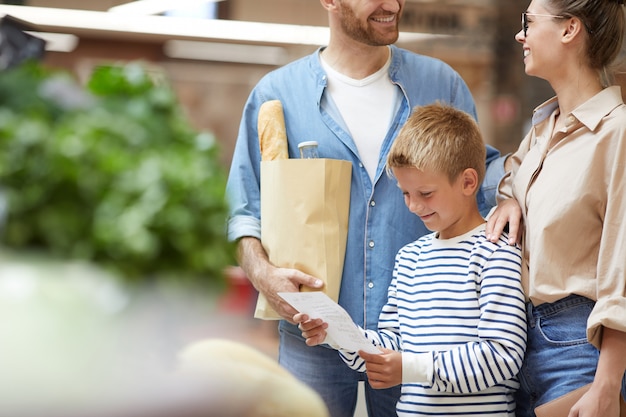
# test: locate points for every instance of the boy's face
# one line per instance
(441, 205)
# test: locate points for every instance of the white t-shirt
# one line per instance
(367, 106)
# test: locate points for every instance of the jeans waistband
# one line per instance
(547, 309)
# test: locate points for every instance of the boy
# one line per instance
(453, 331)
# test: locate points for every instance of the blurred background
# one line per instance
(114, 150)
(214, 61)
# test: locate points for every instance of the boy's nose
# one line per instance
(415, 206)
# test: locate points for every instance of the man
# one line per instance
(352, 97)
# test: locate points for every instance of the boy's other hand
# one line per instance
(383, 370)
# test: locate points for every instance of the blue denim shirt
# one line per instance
(380, 223)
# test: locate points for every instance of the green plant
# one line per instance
(112, 173)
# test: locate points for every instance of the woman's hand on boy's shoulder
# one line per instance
(506, 212)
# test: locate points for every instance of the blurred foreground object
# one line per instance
(111, 173)
(17, 46)
(75, 343)
(242, 381)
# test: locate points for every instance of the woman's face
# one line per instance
(540, 38)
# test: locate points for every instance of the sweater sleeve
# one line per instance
(497, 353)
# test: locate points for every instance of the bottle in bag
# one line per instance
(308, 150)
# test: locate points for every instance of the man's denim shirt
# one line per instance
(380, 223)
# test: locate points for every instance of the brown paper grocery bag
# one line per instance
(304, 219)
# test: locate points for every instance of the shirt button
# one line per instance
(571, 120)
(370, 285)
(371, 244)
(372, 203)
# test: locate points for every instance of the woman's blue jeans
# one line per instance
(558, 358)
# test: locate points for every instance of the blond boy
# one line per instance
(453, 331)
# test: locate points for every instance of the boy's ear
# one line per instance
(470, 181)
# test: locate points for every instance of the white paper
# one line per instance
(341, 329)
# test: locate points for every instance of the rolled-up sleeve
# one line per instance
(242, 188)
(493, 174)
(610, 308)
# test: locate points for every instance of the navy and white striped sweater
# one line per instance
(456, 311)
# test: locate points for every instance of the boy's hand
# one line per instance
(313, 330)
(383, 370)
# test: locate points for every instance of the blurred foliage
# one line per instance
(111, 173)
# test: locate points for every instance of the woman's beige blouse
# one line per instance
(571, 186)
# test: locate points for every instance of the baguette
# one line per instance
(272, 131)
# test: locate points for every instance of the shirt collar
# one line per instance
(590, 113)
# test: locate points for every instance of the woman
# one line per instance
(567, 187)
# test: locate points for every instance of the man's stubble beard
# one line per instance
(363, 32)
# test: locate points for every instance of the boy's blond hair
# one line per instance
(440, 138)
